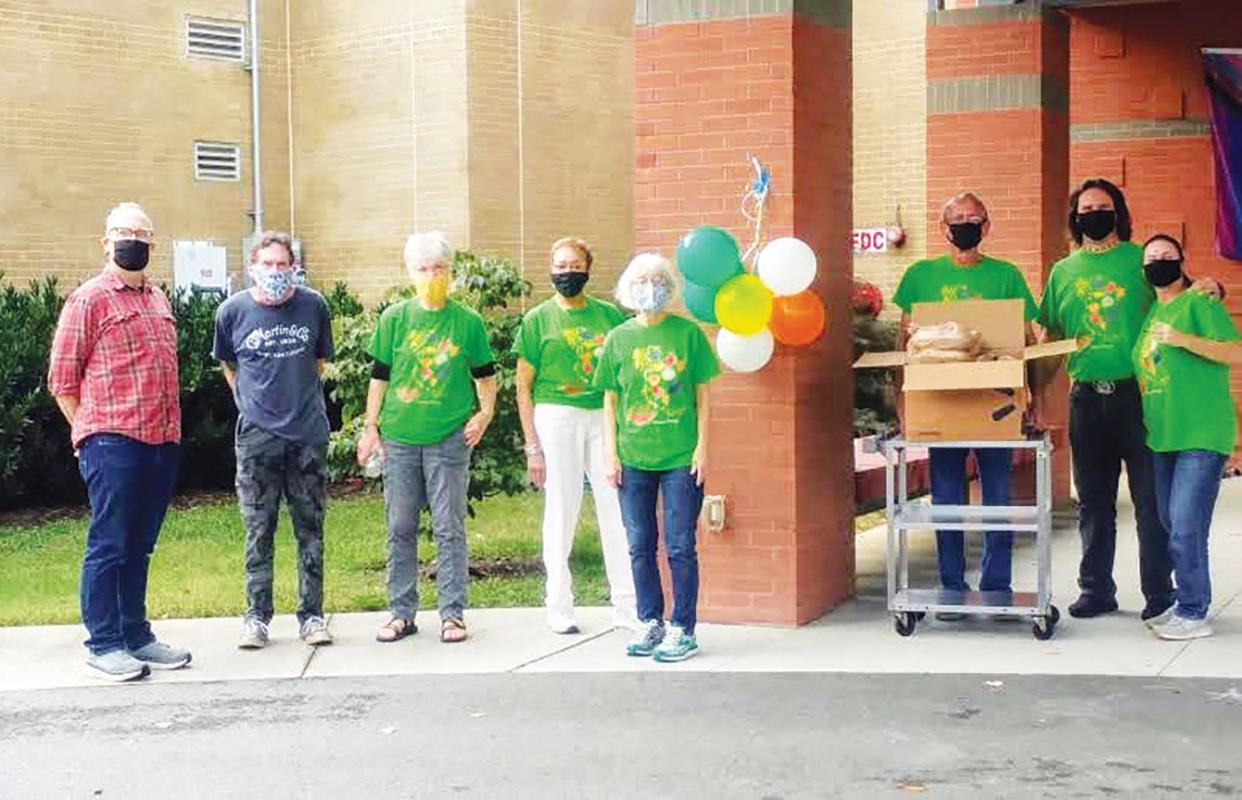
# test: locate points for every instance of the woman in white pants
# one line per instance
(558, 348)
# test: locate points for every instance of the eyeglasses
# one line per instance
(141, 234)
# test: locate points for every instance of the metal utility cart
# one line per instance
(909, 605)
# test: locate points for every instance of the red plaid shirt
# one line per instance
(116, 350)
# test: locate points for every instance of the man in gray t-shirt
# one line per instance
(271, 341)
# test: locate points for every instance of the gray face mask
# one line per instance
(650, 297)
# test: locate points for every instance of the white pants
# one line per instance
(573, 445)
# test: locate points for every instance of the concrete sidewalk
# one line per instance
(857, 637)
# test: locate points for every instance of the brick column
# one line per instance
(713, 85)
(998, 125)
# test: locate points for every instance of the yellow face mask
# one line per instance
(432, 289)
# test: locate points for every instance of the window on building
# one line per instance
(217, 161)
(216, 39)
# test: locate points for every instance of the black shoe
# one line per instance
(1151, 612)
(1086, 606)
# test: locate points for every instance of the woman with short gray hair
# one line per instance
(431, 362)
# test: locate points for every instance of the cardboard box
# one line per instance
(969, 400)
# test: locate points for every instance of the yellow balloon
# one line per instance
(744, 305)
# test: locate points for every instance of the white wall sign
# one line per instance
(200, 265)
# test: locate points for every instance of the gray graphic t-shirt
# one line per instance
(276, 349)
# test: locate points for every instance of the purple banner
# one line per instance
(1224, 79)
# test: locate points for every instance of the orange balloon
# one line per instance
(797, 319)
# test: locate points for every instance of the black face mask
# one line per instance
(131, 254)
(966, 235)
(1164, 272)
(569, 284)
(1097, 225)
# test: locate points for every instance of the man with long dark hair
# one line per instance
(1098, 292)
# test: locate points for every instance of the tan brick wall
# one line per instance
(890, 132)
(378, 134)
(375, 122)
(101, 105)
(570, 171)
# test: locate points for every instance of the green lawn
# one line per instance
(197, 568)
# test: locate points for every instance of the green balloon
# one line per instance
(708, 256)
(701, 302)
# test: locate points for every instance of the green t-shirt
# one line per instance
(1104, 296)
(939, 280)
(655, 370)
(431, 354)
(1186, 399)
(564, 345)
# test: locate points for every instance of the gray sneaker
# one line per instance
(315, 632)
(158, 655)
(1161, 619)
(254, 634)
(118, 666)
(1180, 629)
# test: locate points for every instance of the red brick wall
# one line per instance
(1016, 160)
(708, 95)
(1141, 63)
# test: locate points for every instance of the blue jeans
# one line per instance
(683, 499)
(948, 486)
(129, 485)
(1187, 483)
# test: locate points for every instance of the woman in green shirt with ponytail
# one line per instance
(1182, 362)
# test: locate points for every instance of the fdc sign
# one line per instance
(870, 240)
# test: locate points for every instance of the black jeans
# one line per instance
(1105, 430)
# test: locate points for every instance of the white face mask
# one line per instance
(650, 297)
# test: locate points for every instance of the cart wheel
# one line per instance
(1054, 614)
(904, 623)
(920, 615)
(1044, 627)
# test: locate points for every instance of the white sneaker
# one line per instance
(626, 618)
(253, 635)
(314, 632)
(1180, 629)
(563, 623)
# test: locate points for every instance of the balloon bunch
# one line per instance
(754, 310)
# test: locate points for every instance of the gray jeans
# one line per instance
(436, 476)
(268, 468)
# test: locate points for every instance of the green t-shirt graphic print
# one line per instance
(431, 355)
(655, 371)
(564, 346)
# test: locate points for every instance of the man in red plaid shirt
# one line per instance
(113, 373)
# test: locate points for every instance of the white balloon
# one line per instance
(744, 353)
(787, 265)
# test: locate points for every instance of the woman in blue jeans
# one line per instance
(1182, 361)
(654, 373)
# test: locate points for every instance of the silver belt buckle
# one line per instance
(1105, 387)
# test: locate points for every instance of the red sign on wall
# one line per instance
(870, 240)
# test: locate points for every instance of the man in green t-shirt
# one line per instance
(558, 349)
(965, 273)
(432, 360)
(1098, 292)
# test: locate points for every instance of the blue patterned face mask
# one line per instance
(274, 285)
(650, 296)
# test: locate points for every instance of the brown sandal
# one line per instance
(394, 630)
(452, 631)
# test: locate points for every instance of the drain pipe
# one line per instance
(256, 158)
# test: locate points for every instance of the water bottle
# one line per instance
(374, 467)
